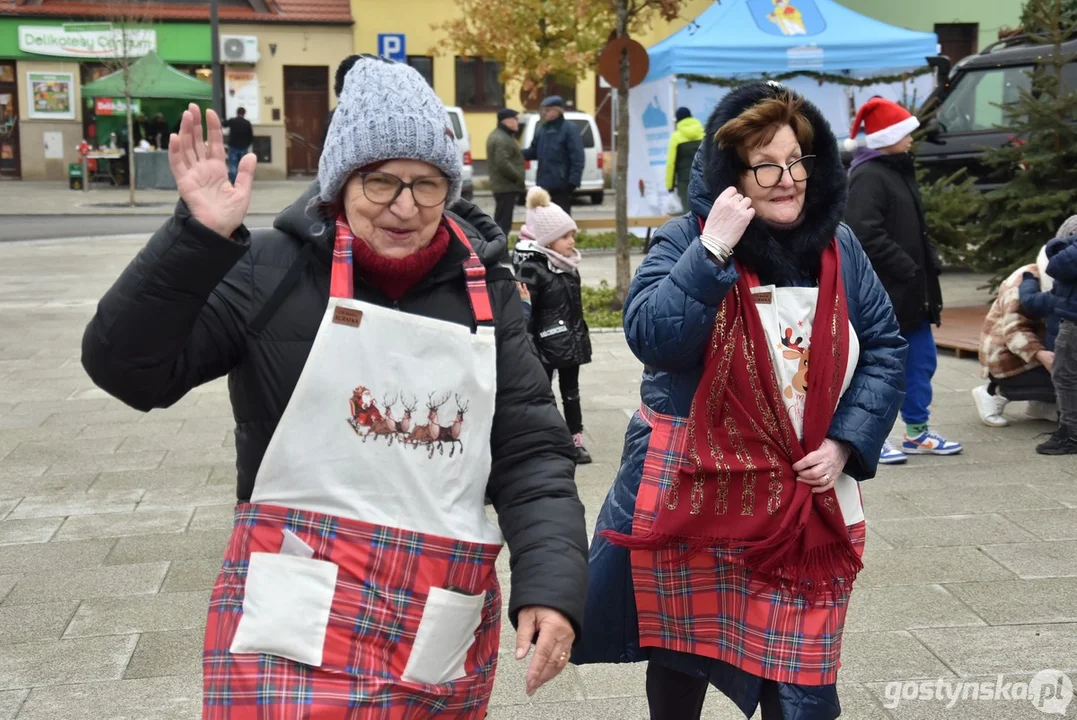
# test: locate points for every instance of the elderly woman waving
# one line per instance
(726, 549)
(383, 386)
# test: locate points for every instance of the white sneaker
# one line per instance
(990, 407)
(1042, 411)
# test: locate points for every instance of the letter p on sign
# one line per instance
(391, 46)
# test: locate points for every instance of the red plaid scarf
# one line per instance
(392, 276)
(740, 436)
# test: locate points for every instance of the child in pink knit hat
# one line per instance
(547, 264)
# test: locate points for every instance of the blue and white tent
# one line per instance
(736, 39)
(749, 37)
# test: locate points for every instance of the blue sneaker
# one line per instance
(930, 443)
(890, 455)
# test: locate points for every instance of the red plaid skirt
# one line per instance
(384, 576)
(710, 605)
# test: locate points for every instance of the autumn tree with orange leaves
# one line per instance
(537, 39)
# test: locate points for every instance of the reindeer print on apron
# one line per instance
(368, 421)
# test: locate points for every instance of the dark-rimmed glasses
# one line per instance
(767, 175)
(384, 188)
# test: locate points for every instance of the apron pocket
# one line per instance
(446, 632)
(286, 605)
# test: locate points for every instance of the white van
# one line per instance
(593, 183)
(463, 142)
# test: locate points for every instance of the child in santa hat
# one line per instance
(886, 213)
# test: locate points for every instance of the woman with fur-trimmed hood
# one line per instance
(726, 549)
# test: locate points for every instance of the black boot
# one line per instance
(582, 456)
(1062, 442)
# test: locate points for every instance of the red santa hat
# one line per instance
(885, 123)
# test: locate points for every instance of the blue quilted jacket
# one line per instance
(668, 319)
(1062, 267)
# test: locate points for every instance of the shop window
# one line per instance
(478, 86)
(425, 65)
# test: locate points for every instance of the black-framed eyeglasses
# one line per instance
(767, 175)
(384, 188)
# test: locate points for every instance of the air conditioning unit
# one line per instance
(241, 49)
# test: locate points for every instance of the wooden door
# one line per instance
(10, 162)
(958, 40)
(306, 103)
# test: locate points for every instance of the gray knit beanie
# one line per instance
(1068, 228)
(387, 112)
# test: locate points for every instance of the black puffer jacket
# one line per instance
(886, 213)
(557, 326)
(185, 311)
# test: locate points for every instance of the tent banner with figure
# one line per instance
(651, 110)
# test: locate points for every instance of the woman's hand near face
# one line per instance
(729, 217)
(202, 174)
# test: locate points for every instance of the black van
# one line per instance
(967, 107)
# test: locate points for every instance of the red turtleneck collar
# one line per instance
(395, 276)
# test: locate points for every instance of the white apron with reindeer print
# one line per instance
(787, 315)
(360, 580)
(395, 414)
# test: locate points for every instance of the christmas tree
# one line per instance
(951, 204)
(1019, 216)
(1029, 18)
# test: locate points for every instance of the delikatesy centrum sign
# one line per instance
(106, 42)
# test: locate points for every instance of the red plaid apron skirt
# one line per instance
(710, 606)
(382, 584)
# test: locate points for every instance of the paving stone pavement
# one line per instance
(112, 525)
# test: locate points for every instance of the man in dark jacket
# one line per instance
(505, 161)
(240, 138)
(887, 216)
(558, 149)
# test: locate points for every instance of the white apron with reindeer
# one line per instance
(360, 580)
(787, 315)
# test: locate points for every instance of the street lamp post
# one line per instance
(215, 40)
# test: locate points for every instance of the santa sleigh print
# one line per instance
(371, 422)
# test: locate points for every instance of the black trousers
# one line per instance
(672, 695)
(503, 206)
(562, 198)
(1032, 385)
(569, 380)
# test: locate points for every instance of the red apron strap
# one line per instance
(476, 279)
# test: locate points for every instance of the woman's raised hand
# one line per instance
(729, 217)
(201, 172)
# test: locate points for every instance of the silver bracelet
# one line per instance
(717, 248)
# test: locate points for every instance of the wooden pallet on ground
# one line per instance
(960, 331)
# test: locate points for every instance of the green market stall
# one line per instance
(154, 87)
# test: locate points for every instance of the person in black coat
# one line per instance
(887, 215)
(558, 148)
(207, 298)
(547, 260)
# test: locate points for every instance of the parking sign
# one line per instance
(391, 45)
